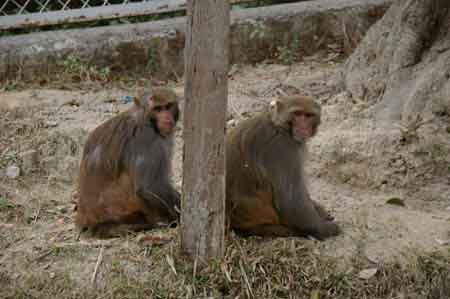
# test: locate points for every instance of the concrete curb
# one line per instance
(157, 47)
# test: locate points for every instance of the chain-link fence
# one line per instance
(18, 7)
(34, 13)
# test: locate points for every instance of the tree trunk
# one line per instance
(206, 68)
(402, 66)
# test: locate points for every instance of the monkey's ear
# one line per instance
(149, 100)
(139, 97)
(276, 108)
(145, 98)
(137, 100)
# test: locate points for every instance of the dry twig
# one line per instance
(99, 261)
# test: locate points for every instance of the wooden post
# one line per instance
(206, 92)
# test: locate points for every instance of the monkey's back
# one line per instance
(249, 193)
(105, 194)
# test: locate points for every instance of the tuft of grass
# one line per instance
(77, 70)
(10, 86)
(288, 55)
(6, 204)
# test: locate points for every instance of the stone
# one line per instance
(13, 172)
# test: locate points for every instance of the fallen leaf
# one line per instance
(6, 225)
(72, 102)
(395, 201)
(443, 242)
(373, 259)
(153, 240)
(171, 264)
(367, 273)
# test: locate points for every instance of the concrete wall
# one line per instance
(157, 47)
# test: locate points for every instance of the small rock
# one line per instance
(367, 273)
(72, 102)
(12, 172)
(233, 71)
(443, 242)
(373, 259)
(51, 124)
(231, 123)
(230, 116)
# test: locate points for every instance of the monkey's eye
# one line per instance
(163, 107)
(303, 113)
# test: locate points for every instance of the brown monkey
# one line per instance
(124, 172)
(266, 191)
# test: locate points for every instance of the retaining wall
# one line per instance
(157, 47)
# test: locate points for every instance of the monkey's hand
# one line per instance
(156, 200)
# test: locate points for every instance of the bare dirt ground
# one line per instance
(355, 167)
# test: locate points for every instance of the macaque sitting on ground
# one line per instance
(124, 182)
(266, 192)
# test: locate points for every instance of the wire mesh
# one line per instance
(34, 13)
(20, 7)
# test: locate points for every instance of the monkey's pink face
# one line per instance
(164, 119)
(302, 125)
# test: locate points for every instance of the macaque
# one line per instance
(124, 178)
(266, 192)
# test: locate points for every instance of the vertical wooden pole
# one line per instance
(206, 92)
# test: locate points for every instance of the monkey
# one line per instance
(266, 192)
(123, 182)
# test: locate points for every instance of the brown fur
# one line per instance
(122, 157)
(266, 191)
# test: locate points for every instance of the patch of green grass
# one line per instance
(72, 64)
(10, 86)
(80, 70)
(8, 158)
(289, 54)
(6, 204)
(259, 30)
